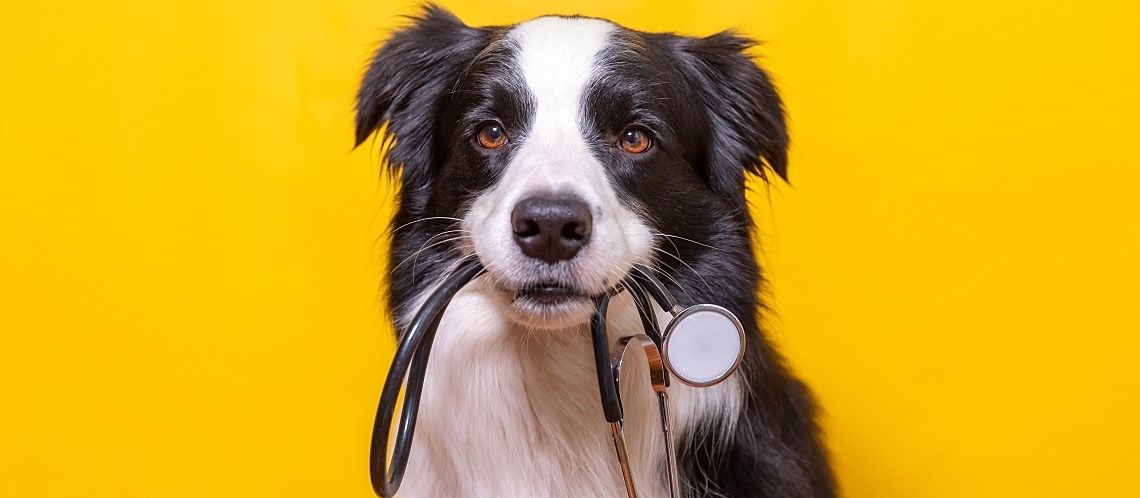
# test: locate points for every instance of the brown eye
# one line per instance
(635, 140)
(492, 136)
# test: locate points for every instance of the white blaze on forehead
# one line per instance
(557, 57)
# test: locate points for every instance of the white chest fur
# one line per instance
(514, 412)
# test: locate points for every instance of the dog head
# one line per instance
(563, 150)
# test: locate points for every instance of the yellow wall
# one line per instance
(189, 273)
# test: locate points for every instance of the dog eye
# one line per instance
(491, 136)
(635, 140)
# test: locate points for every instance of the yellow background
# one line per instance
(190, 262)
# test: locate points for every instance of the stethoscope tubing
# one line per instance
(608, 367)
(413, 350)
(409, 366)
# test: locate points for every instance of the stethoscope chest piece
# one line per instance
(703, 345)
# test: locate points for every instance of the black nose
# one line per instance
(551, 228)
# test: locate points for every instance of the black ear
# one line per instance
(407, 85)
(745, 114)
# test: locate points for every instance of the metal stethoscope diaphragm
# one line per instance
(701, 346)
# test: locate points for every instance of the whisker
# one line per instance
(671, 236)
(429, 218)
(662, 251)
(423, 246)
(676, 282)
(417, 254)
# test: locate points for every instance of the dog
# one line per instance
(560, 152)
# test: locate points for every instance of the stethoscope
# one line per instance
(701, 346)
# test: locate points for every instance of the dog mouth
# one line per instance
(548, 305)
(547, 294)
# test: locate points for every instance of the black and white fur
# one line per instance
(511, 404)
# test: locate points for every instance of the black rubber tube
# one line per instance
(645, 276)
(645, 311)
(409, 354)
(611, 404)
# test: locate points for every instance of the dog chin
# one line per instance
(548, 314)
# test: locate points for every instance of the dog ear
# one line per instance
(407, 85)
(745, 114)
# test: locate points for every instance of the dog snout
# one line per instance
(551, 228)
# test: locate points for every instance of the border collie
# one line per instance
(560, 152)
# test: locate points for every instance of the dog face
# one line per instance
(561, 151)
